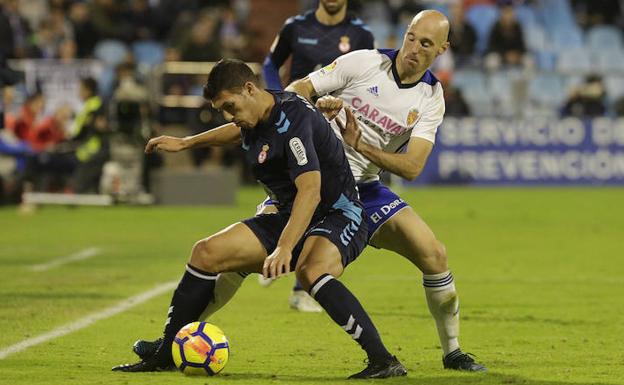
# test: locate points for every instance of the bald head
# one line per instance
(425, 39)
(434, 22)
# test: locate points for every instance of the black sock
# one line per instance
(190, 298)
(346, 311)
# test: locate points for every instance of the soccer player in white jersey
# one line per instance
(393, 103)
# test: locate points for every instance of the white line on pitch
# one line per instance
(78, 256)
(88, 320)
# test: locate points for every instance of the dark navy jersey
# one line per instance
(297, 139)
(314, 45)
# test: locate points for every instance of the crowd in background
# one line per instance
(494, 44)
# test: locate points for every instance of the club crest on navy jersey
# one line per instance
(412, 116)
(263, 154)
(344, 46)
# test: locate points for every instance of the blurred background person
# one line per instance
(315, 39)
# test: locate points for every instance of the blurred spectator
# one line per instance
(231, 36)
(109, 20)
(454, 102)
(23, 124)
(506, 45)
(80, 160)
(14, 30)
(202, 44)
(596, 12)
(39, 133)
(130, 104)
(587, 100)
(85, 33)
(144, 22)
(463, 36)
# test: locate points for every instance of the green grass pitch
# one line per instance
(540, 274)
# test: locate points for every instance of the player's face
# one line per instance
(332, 6)
(237, 106)
(421, 45)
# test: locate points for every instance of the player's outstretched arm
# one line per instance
(307, 199)
(407, 165)
(226, 134)
(303, 87)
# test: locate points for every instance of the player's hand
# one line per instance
(330, 106)
(351, 132)
(277, 264)
(166, 143)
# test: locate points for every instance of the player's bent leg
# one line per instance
(299, 298)
(319, 263)
(226, 286)
(266, 207)
(234, 248)
(408, 235)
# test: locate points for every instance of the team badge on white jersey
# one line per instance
(412, 116)
(373, 90)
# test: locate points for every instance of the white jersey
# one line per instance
(389, 113)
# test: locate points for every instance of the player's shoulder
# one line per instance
(358, 56)
(294, 106)
(357, 22)
(300, 18)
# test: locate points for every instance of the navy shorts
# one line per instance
(380, 204)
(343, 226)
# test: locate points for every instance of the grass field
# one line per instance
(540, 273)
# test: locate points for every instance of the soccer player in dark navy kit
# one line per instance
(314, 40)
(319, 227)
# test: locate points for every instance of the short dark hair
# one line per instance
(90, 84)
(228, 74)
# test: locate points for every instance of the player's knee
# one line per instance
(308, 273)
(433, 258)
(305, 276)
(204, 255)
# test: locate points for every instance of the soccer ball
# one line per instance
(200, 348)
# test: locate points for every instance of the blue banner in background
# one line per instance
(527, 152)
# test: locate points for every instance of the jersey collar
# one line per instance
(427, 77)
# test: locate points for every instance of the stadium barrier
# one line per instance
(538, 151)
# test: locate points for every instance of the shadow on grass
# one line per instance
(412, 378)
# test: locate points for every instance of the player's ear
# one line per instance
(250, 87)
(444, 47)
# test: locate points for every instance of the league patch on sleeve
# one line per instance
(298, 150)
(328, 68)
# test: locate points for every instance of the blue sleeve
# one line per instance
(299, 143)
(280, 51)
(271, 74)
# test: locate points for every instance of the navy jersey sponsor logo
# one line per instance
(308, 41)
(298, 151)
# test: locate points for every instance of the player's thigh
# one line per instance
(235, 248)
(319, 256)
(408, 235)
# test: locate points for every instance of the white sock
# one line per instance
(226, 286)
(444, 307)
